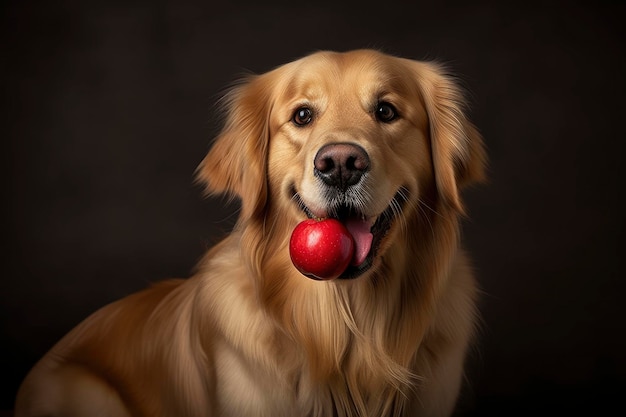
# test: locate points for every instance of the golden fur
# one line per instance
(248, 335)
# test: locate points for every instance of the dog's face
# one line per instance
(349, 140)
(359, 136)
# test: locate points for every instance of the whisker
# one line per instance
(422, 202)
(364, 198)
(397, 213)
(295, 197)
(399, 202)
(420, 207)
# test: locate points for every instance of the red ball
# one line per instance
(321, 249)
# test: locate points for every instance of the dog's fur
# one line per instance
(248, 335)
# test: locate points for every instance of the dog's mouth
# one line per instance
(367, 233)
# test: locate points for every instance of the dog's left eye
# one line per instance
(302, 116)
(385, 112)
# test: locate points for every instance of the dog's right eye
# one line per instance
(302, 116)
(385, 112)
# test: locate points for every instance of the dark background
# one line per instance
(108, 107)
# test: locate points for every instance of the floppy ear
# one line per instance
(236, 164)
(457, 148)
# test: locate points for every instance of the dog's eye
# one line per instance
(385, 112)
(302, 116)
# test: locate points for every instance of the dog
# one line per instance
(364, 137)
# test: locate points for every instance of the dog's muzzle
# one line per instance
(341, 169)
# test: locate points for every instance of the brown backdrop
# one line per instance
(108, 107)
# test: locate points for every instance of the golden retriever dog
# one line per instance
(363, 137)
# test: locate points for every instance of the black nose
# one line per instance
(341, 164)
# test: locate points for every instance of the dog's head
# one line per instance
(359, 136)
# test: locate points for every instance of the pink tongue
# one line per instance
(360, 231)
